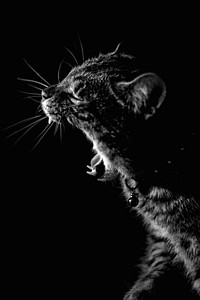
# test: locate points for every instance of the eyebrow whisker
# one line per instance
(37, 73)
(59, 67)
(68, 64)
(72, 55)
(82, 52)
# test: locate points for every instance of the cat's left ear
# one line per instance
(144, 94)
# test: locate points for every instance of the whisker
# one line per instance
(42, 131)
(28, 93)
(35, 87)
(68, 64)
(35, 122)
(59, 67)
(22, 121)
(45, 132)
(36, 73)
(72, 55)
(56, 128)
(39, 108)
(30, 80)
(82, 52)
(60, 132)
(31, 98)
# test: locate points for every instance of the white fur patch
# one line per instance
(159, 193)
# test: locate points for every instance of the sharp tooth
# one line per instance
(90, 167)
(96, 160)
(50, 120)
(93, 172)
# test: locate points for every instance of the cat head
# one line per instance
(107, 98)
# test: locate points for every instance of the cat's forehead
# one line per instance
(98, 72)
(104, 64)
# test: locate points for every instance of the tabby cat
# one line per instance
(115, 105)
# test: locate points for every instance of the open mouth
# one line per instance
(98, 169)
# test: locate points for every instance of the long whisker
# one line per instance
(30, 80)
(56, 128)
(42, 131)
(68, 64)
(34, 96)
(82, 52)
(60, 132)
(35, 122)
(22, 121)
(35, 87)
(31, 98)
(28, 93)
(45, 132)
(72, 55)
(59, 67)
(39, 108)
(36, 73)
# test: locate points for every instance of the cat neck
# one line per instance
(174, 172)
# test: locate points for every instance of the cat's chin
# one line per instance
(98, 169)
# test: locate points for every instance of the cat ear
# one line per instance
(145, 93)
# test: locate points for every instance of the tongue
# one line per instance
(95, 160)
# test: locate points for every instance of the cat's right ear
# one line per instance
(144, 95)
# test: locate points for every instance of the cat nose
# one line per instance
(49, 91)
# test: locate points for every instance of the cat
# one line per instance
(115, 105)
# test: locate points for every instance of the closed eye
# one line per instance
(73, 98)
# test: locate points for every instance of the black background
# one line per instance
(64, 231)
